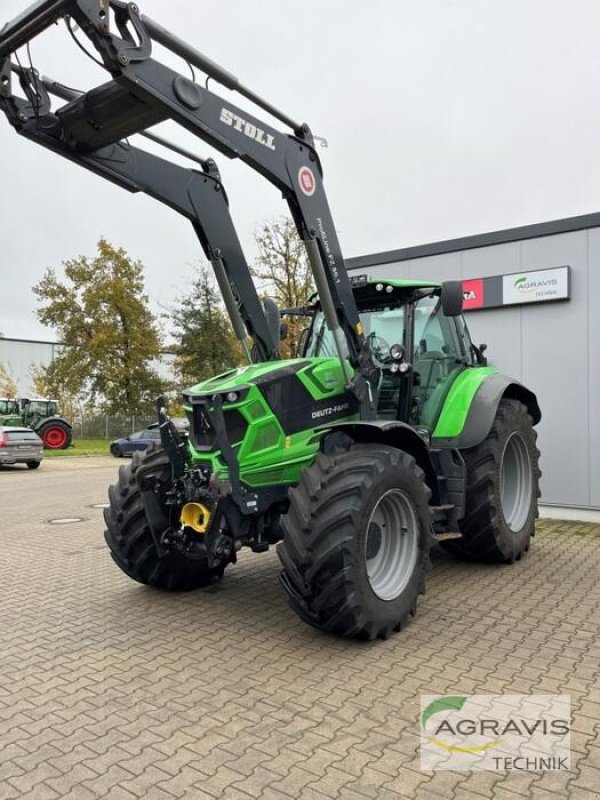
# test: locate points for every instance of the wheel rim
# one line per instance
(391, 545)
(55, 438)
(516, 485)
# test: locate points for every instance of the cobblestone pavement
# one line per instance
(109, 689)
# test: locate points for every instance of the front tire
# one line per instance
(356, 542)
(502, 490)
(115, 451)
(33, 464)
(129, 538)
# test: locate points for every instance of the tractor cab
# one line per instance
(38, 409)
(419, 340)
(9, 407)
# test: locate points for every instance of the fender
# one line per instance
(62, 419)
(389, 432)
(463, 427)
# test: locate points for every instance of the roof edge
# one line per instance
(538, 229)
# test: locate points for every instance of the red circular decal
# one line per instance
(307, 181)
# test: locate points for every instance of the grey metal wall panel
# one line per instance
(19, 357)
(593, 304)
(555, 364)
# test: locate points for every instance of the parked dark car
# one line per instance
(20, 446)
(142, 440)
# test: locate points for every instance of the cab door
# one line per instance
(438, 358)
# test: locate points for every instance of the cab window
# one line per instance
(438, 358)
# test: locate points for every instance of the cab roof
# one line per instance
(397, 283)
(367, 284)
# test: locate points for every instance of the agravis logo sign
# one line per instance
(526, 285)
(537, 286)
(517, 288)
(523, 732)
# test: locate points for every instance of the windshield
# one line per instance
(383, 327)
(8, 407)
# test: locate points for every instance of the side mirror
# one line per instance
(283, 331)
(452, 298)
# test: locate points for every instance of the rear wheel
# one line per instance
(56, 435)
(33, 464)
(130, 540)
(502, 490)
(356, 542)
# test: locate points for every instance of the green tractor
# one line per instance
(278, 452)
(389, 432)
(42, 416)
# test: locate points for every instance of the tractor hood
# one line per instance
(321, 377)
(243, 377)
(271, 407)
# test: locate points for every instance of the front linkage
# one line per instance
(201, 514)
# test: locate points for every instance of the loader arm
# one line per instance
(143, 92)
(198, 196)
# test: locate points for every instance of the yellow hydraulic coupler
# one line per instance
(195, 516)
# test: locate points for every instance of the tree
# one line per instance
(205, 343)
(109, 333)
(8, 385)
(282, 266)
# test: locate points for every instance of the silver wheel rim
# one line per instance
(516, 484)
(391, 544)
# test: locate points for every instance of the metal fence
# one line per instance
(104, 427)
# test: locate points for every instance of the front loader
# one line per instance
(388, 432)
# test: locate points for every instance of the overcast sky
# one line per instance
(443, 118)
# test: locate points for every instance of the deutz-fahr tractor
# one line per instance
(387, 433)
(42, 416)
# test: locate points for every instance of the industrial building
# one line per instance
(532, 294)
(20, 356)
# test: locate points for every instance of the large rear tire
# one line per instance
(356, 542)
(130, 540)
(502, 490)
(55, 434)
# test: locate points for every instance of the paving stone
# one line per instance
(110, 690)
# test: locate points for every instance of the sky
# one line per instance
(443, 118)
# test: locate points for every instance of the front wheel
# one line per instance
(129, 537)
(33, 464)
(115, 451)
(356, 542)
(502, 490)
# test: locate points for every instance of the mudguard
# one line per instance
(471, 428)
(390, 432)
